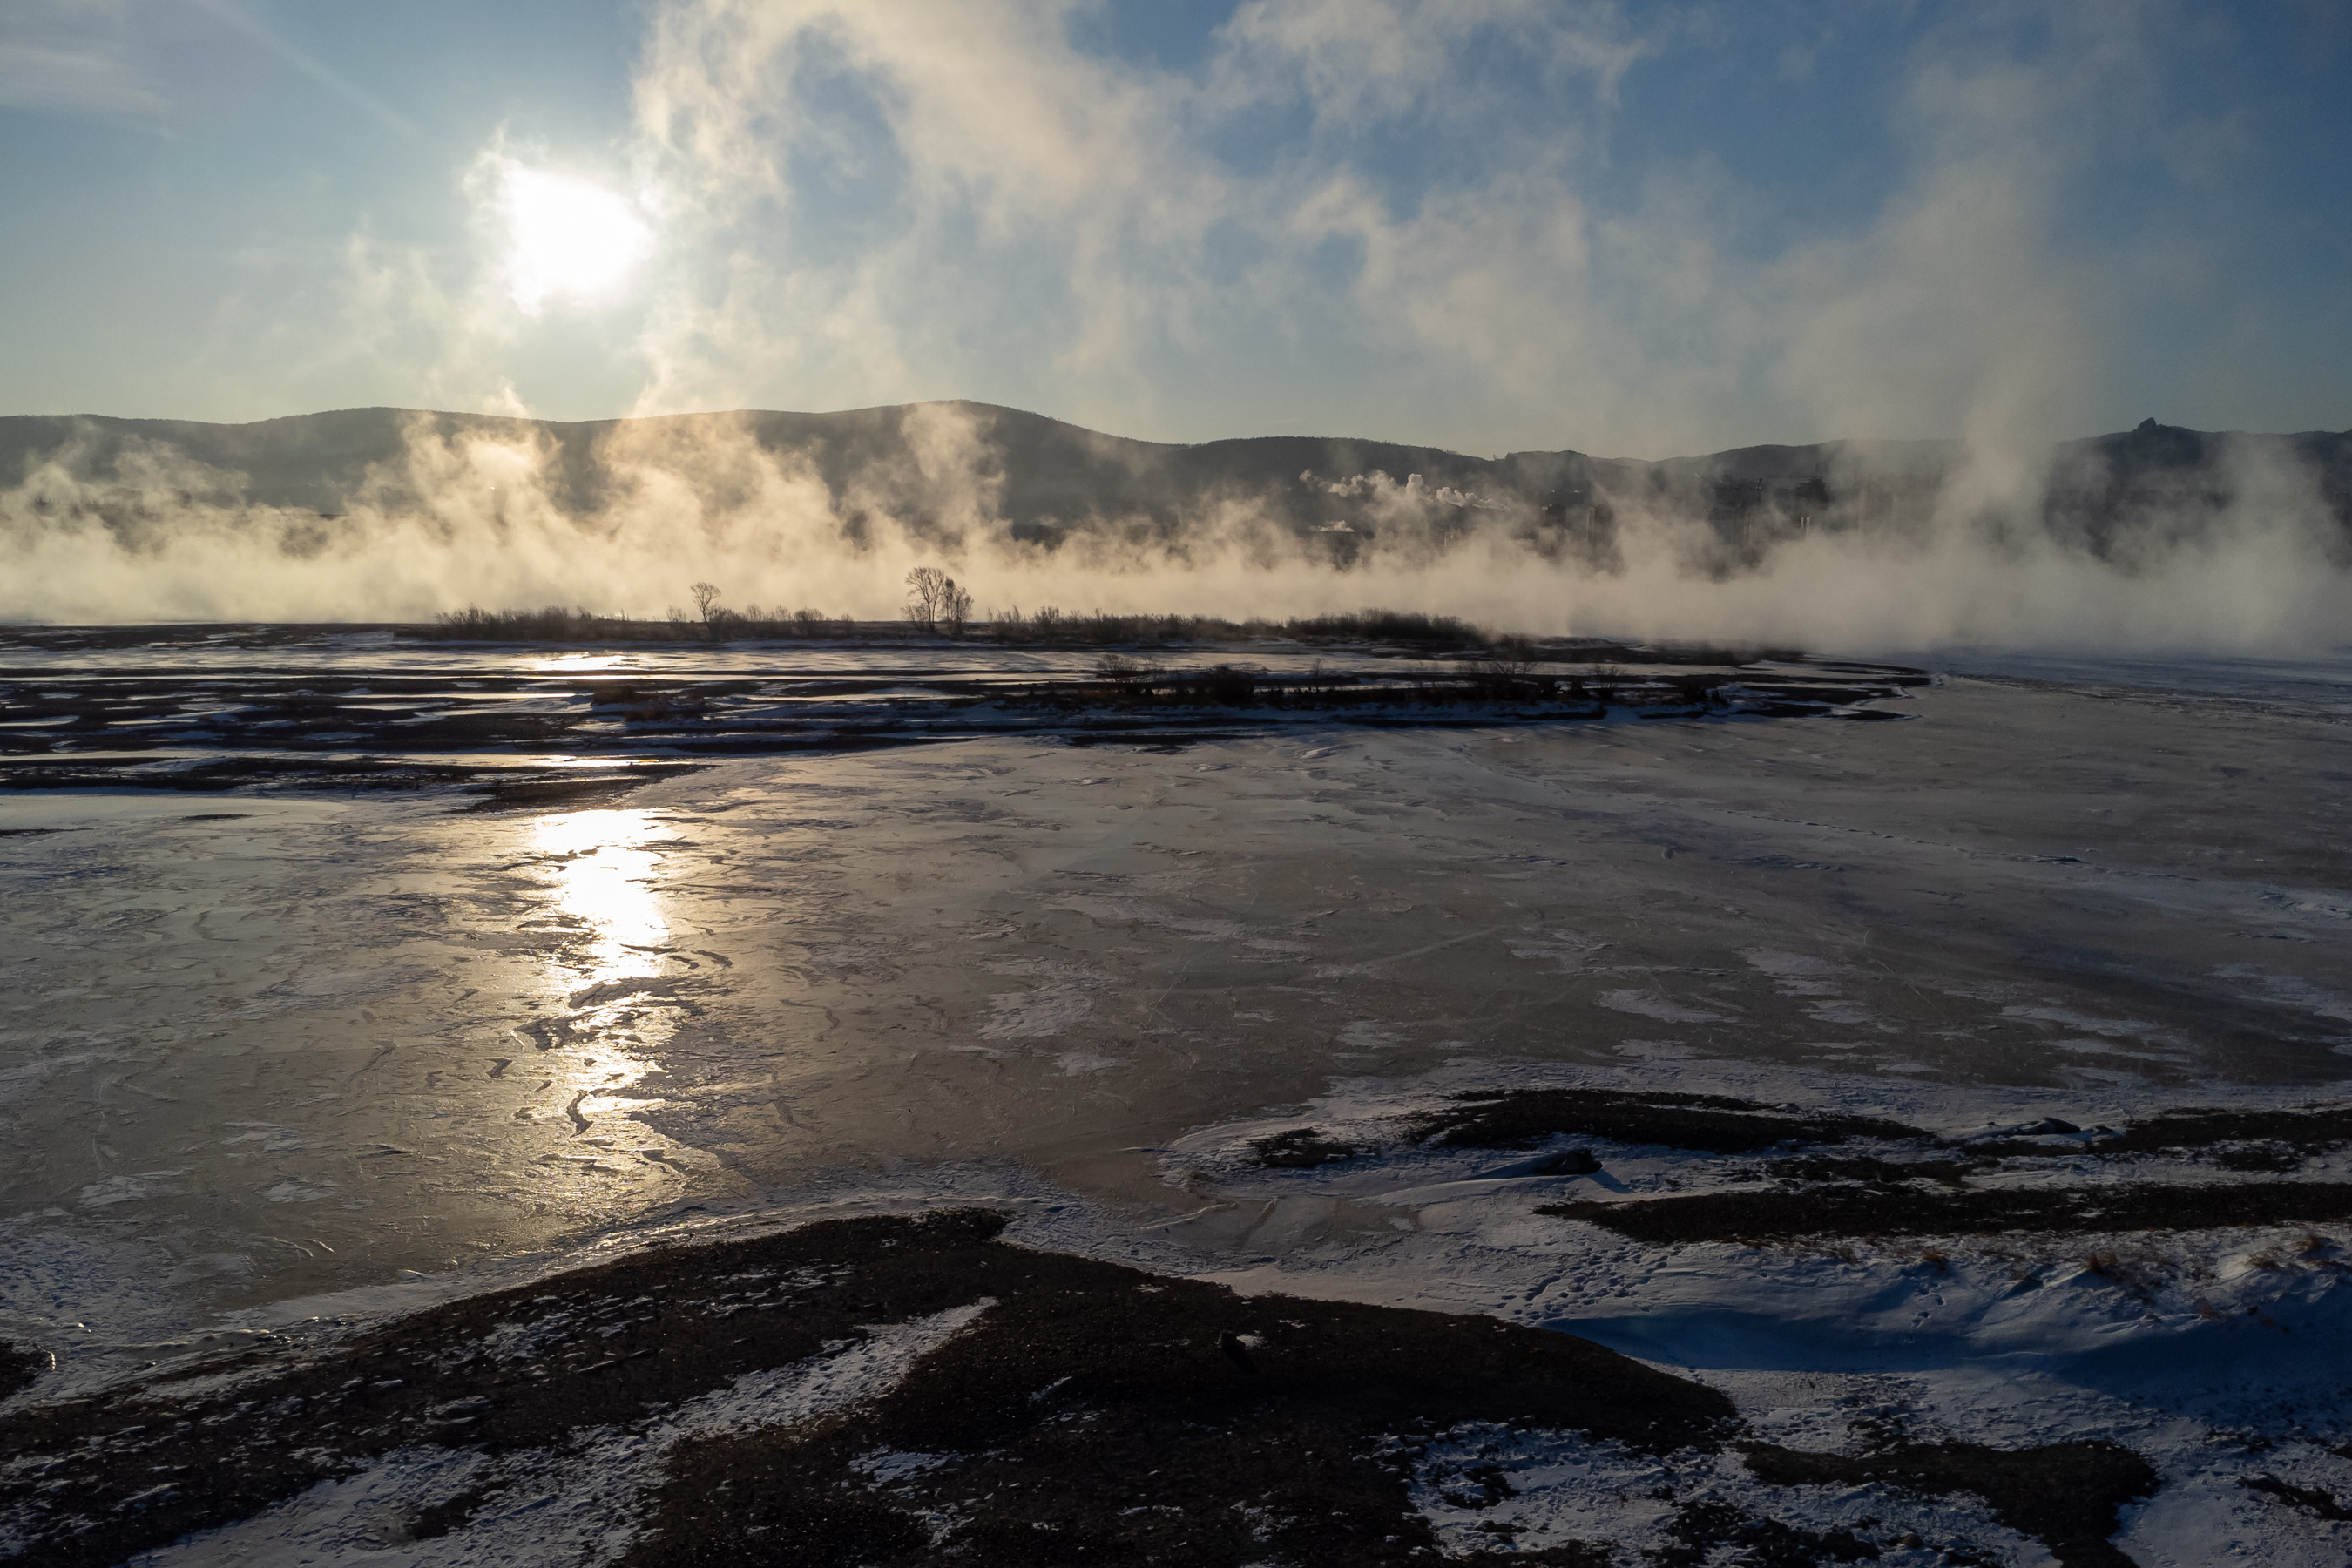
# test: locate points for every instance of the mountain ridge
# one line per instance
(1043, 477)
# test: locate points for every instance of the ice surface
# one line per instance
(266, 1058)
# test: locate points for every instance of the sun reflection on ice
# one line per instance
(609, 985)
(605, 880)
(583, 663)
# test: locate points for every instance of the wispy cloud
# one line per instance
(309, 64)
(73, 56)
(1423, 219)
(893, 200)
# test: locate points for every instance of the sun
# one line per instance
(567, 239)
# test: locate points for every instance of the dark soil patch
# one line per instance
(19, 1366)
(1567, 1555)
(1859, 1211)
(1096, 1416)
(2311, 1129)
(1521, 1119)
(1242, 1428)
(1872, 1169)
(2320, 1504)
(1701, 1527)
(447, 1517)
(1301, 1148)
(2065, 1495)
(2258, 1156)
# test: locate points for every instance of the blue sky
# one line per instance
(1630, 230)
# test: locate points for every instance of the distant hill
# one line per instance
(1039, 479)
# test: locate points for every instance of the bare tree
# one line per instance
(936, 600)
(924, 583)
(705, 594)
(1506, 669)
(1123, 672)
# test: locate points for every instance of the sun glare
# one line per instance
(605, 880)
(567, 239)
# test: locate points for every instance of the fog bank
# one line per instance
(2160, 538)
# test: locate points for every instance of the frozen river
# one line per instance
(262, 1046)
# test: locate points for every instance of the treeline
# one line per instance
(1099, 629)
(1048, 625)
(556, 622)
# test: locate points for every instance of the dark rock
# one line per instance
(2311, 1128)
(2313, 1501)
(1911, 1210)
(1301, 1148)
(1091, 1414)
(19, 1365)
(2065, 1495)
(1523, 1119)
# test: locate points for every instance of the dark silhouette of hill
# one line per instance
(1039, 477)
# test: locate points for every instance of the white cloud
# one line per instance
(1390, 218)
(1027, 221)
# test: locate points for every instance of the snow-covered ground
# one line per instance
(2215, 1353)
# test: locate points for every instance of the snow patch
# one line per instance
(572, 1507)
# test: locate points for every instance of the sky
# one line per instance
(1630, 230)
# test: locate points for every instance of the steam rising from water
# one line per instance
(469, 517)
(817, 171)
